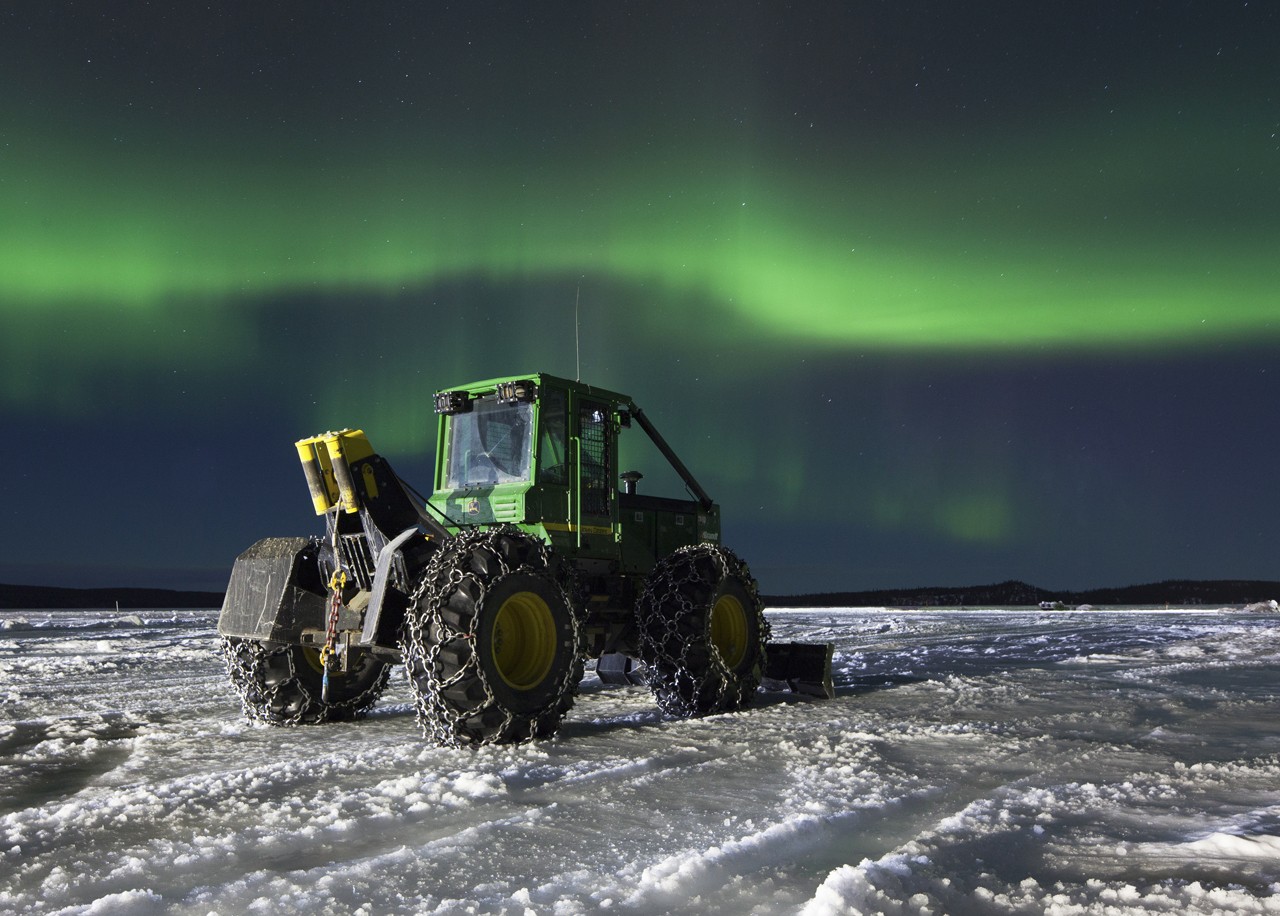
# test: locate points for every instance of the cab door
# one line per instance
(594, 506)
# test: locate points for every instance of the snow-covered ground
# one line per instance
(973, 762)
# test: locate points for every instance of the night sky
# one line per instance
(923, 293)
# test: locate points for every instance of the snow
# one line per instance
(973, 762)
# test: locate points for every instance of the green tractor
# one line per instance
(526, 561)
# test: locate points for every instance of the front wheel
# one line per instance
(702, 631)
(283, 685)
(492, 645)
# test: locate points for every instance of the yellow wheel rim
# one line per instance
(312, 655)
(524, 640)
(313, 659)
(729, 630)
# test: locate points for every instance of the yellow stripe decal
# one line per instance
(585, 529)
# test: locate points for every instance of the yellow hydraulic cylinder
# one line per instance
(315, 467)
(326, 463)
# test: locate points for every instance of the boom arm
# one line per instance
(704, 500)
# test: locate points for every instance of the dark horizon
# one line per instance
(15, 596)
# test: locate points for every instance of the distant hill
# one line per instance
(1177, 592)
(47, 596)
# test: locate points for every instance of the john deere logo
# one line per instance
(473, 507)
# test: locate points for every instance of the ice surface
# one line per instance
(972, 762)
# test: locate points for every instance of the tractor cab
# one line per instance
(541, 452)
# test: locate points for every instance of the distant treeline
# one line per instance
(48, 596)
(1178, 592)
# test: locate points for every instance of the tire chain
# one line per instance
(686, 674)
(250, 664)
(427, 635)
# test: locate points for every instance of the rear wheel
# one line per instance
(492, 644)
(702, 631)
(283, 685)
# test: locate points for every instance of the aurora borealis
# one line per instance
(923, 296)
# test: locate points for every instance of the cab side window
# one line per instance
(553, 449)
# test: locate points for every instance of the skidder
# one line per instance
(527, 560)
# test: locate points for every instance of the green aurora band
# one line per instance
(1077, 239)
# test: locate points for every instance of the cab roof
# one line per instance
(542, 379)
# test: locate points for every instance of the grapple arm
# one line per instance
(377, 534)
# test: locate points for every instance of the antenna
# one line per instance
(577, 352)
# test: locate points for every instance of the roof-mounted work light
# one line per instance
(525, 390)
(451, 402)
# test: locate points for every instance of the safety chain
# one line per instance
(274, 689)
(686, 673)
(327, 655)
(455, 703)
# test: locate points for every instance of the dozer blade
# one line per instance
(618, 670)
(276, 591)
(803, 667)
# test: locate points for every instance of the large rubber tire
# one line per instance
(702, 631)
(283, 685)
(492, 643)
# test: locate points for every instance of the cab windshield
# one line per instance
(489, 445)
